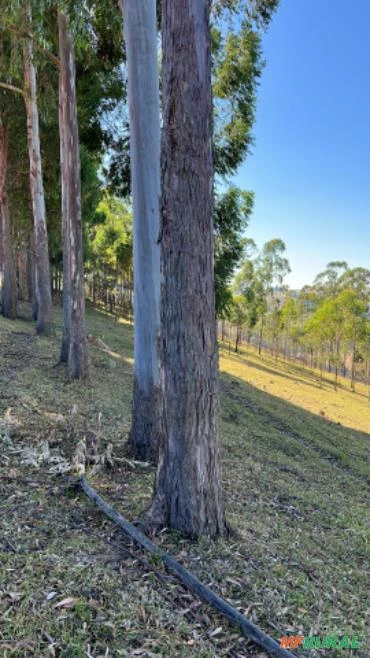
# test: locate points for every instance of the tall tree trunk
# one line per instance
(188, 489)
(64, 113)
(74, 335)
(140, 33)
(43, 283)
(9, 291)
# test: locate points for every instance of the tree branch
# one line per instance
(28, 35)
(17, 90)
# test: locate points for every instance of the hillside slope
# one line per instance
(296, 487)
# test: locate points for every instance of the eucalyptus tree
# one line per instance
(232, 210)
(140, 31)
(74, 345)
(240, 317)
(271, 268)
(354, 311)
(18, 17)
(259, 278)
(237, 66)
(328, 282)
(292, 325)
(45, 323)
(188, 489)
(9, 295)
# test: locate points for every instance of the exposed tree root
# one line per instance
(247, 628)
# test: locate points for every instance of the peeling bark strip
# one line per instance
(43, 282)
(74, 346)
(246, 627)
(188, 494)
(9, 289)
(140, 34)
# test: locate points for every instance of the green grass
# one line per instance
(295, 482)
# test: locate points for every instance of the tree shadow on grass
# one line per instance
(293, 429)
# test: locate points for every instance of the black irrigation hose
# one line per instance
(246, 627)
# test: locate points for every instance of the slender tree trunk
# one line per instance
(94, 289)
(64, 119)
(9, 291)
(353, 368)
(42, 276)
(188, 490)
(140, 33)
(1, 241)
(260, 338)
(237, 339)
(74, 334)
(337, 364)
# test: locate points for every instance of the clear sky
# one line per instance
(310, 168)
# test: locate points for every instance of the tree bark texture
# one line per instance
(63, 137)
(32, 273)
(140, 33)
(9, 289)
(188, 490)
(74, 335)
(43, 283)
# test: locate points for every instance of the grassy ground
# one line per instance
(295, 483)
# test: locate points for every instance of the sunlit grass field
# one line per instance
(301, 386)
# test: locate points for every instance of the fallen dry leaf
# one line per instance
(217, 631)
(69, 602)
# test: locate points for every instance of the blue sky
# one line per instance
(310, 168)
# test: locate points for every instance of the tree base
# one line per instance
(147, 423)
(45, 329)
(158, 517)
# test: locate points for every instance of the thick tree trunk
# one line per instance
(43, 284)
(74, 334)
(188, 489)
(140, 32)
(9, 290)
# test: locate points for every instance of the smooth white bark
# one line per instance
(140, 32)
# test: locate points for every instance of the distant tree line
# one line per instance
(325, 325)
